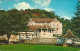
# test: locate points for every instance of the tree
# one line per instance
(4, 22)
(78, 9)
(13, 21)
(76, 20)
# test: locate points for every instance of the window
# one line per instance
(44, 30)
(39, 30)
(33, 35)
(50, 31)
(53, 35)
(22, 34)
(27, 35)
(57, 29)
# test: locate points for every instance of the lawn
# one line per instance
(26, 47)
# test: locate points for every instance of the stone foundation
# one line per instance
(41, 40)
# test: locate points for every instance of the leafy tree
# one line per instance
(13, 21)
(76, 20)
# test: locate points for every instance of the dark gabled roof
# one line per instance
(42, 19)
(34, 27)
(69, 34)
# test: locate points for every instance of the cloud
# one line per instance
(66, 17)
(49, 9)
(44, 3)
(23, 6)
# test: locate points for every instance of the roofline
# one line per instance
(42, 18)
(71, 33)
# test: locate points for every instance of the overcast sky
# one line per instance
(62, 8)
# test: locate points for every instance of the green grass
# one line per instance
(26, 47)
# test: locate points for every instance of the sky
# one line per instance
(63, 8)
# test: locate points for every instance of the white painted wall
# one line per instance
(45, 34)
(55, 24)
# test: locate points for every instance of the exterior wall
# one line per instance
(31, 35)
(46, 34)
(42, 40)
(14, 37)
(4, 37)
(22, 36)
(47, 40)
(55, 24)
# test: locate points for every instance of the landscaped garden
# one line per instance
(26, 47)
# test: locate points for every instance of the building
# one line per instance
(45, 32)
(22, 35)
(41, 30)
(31, 35)
(53, 23)
(14, 38)
(4, 37)
(26, 35)
(69, 37)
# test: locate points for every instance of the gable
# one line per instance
(55, 20)
(69, 34)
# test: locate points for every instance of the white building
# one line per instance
(26, 35)
(45, 32)
(22, 35)
(54, 24)
(41, 30)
